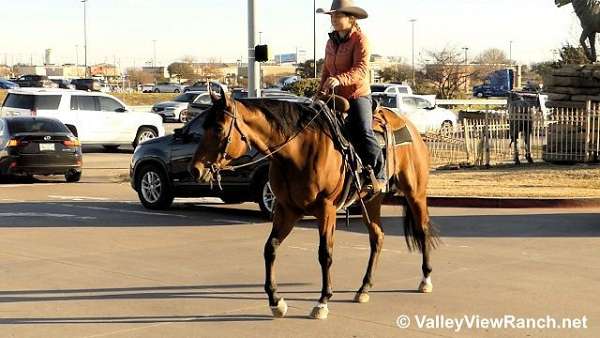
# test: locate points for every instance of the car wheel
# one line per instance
(183, 116)
(266, 198)
(73, 176)
(157, 90)
(143, 135)
(177, 91)
(479, 95)
(153, 188)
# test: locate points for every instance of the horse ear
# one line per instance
(217, 98)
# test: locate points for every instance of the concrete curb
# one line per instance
(498, 202)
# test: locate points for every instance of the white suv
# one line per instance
(95, 118)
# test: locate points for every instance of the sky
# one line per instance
(124, 30)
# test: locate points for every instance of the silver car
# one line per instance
(176, 110)
(166, 87)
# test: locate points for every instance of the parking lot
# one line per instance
(86, 260)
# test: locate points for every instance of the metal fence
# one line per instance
(519, 134)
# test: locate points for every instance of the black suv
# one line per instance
(159, 172)
(40, 81)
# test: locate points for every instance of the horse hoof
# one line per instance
(280, 310)
(320, 312)
(425, 287)
(361, 297)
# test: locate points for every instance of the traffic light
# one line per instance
(261, 53)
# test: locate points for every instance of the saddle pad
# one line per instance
(402, 137)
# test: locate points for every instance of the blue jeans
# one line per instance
(360, 127)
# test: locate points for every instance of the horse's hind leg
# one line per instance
(327, 220)
(418, 226)
(376, 240)
(283, 222)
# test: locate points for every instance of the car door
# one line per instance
(89, 122)
(117, 123)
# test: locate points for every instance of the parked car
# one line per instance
(95, 118)
(38, 146)
(420, 110)
(177, 109)
(39, 81)
(5, 84)
(92, 85)
(148, 88)
(391, 88)
(159, 172)
(200, 86)
(166, 87)
(64, 84)
(200, 104)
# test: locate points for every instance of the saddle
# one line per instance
(390, 129)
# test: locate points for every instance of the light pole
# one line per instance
(260, 38)
(154, 54)
(510, 52)
(466, 49)
(414, 73)
(85, 45)
(253, 70)
(314, 36)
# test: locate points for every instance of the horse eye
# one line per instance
(219, 129)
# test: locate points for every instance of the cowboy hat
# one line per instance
(346, 7)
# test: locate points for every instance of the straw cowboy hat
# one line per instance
(347, 7)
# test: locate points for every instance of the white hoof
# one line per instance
(426, 286)
(361, 297)
(320, 312)
(280, 310)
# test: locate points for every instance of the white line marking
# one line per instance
(230, 221)
(79, 198)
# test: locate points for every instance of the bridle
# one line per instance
(215, 169)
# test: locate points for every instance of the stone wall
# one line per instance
(571, 86)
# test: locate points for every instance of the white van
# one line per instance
(95, 118)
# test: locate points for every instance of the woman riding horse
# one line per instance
(346, 68)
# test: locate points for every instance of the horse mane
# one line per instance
(287, 117)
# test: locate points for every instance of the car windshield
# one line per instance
(21, 101)
(33, 125)
(187, 97)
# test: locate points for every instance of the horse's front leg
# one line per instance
(283, 223)
(376, 239)
(327, 220)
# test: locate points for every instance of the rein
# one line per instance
(215, 170)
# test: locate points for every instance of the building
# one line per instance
(29, 70)
(105, 70)
(157, 72)
(291, 58)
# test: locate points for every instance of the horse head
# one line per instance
(224, 139)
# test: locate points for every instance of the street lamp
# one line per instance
(414, 74)
(466, 49)
(315, 11)
(85, 45)
(510, 52)
(154, 54)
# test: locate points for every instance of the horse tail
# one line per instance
(418, 235)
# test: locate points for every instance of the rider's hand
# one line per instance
(330, 83)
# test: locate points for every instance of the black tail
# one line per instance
(419, 235)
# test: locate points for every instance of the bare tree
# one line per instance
(137, 76)
(492, 56)
(447, 72)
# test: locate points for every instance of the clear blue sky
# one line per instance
(217, 28)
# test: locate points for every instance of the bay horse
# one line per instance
(307, 173)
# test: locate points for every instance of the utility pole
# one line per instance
(85, 45)
(253, 69)
(314, 36)
(414, 73)
(510, 52)
(154, 54)
(466, 49)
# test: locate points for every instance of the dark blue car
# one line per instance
(4, 84)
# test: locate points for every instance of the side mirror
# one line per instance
(120, 110)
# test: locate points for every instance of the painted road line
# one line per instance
(79, 198)
(123, 211)
(42, 215)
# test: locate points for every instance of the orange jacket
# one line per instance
(349, 64)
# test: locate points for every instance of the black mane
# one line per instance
(288, 117)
